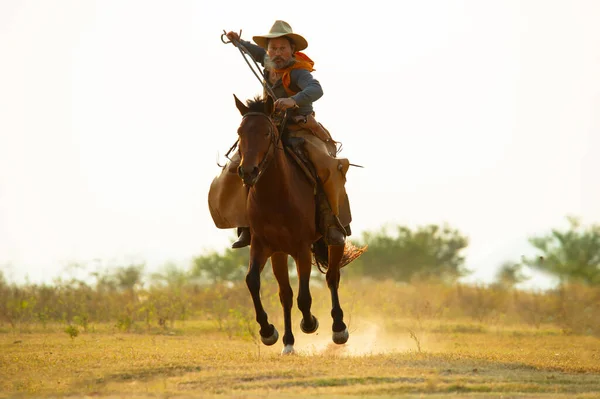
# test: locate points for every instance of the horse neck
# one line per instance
(273, 186)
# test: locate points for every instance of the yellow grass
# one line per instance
(457, 359)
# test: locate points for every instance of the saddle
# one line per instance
(308, 122)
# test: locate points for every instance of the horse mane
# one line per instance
(257, 104)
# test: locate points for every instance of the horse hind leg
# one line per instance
(268, 333)
(286, 297)
(340, 330)
(309, 323)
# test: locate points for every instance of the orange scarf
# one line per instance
(302, 62)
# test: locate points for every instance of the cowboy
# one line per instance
(288, 72)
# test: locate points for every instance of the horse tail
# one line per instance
(321, 254)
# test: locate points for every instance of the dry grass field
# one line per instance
(397, 352)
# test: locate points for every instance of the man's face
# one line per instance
(280, 52)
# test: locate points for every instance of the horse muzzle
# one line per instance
(249, 177)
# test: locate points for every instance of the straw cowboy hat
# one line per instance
(280, 29)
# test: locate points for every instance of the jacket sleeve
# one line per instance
(257, 52)
(310, 88)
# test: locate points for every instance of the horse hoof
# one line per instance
(288, 350)
(270, 340)
(341, 337)
(307, 331)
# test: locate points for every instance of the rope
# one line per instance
(244, 51)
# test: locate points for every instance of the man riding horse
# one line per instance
(288, 73)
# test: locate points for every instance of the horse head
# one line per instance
(258, 138)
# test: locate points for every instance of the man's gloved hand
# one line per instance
(234, 37)
(285, 103)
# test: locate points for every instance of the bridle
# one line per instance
(274, 140)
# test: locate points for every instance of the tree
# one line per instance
(119, 278)
(428, 251)
(509, 275)
(571, 255)
(229, 266)
(171, 276)
(127, 277)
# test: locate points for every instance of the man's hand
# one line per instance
(233, 36)
(285, 103)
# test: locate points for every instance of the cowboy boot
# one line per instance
(331, 229)
(244, 238)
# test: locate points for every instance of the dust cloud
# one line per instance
(367, 337)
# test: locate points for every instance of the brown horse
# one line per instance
(281, 213)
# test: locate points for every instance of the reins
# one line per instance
(273, 142)
(280, 129)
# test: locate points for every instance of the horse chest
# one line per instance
(278, 230)
(271, 223)
(278, 238)
(281, 210)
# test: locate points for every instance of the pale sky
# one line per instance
(481, 114)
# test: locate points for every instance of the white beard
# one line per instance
(270, 65)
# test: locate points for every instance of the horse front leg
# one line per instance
(339, 328)
(286, 297)
(258, 258)
(309, 323)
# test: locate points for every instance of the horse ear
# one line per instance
(269, 107)
(240, 106)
